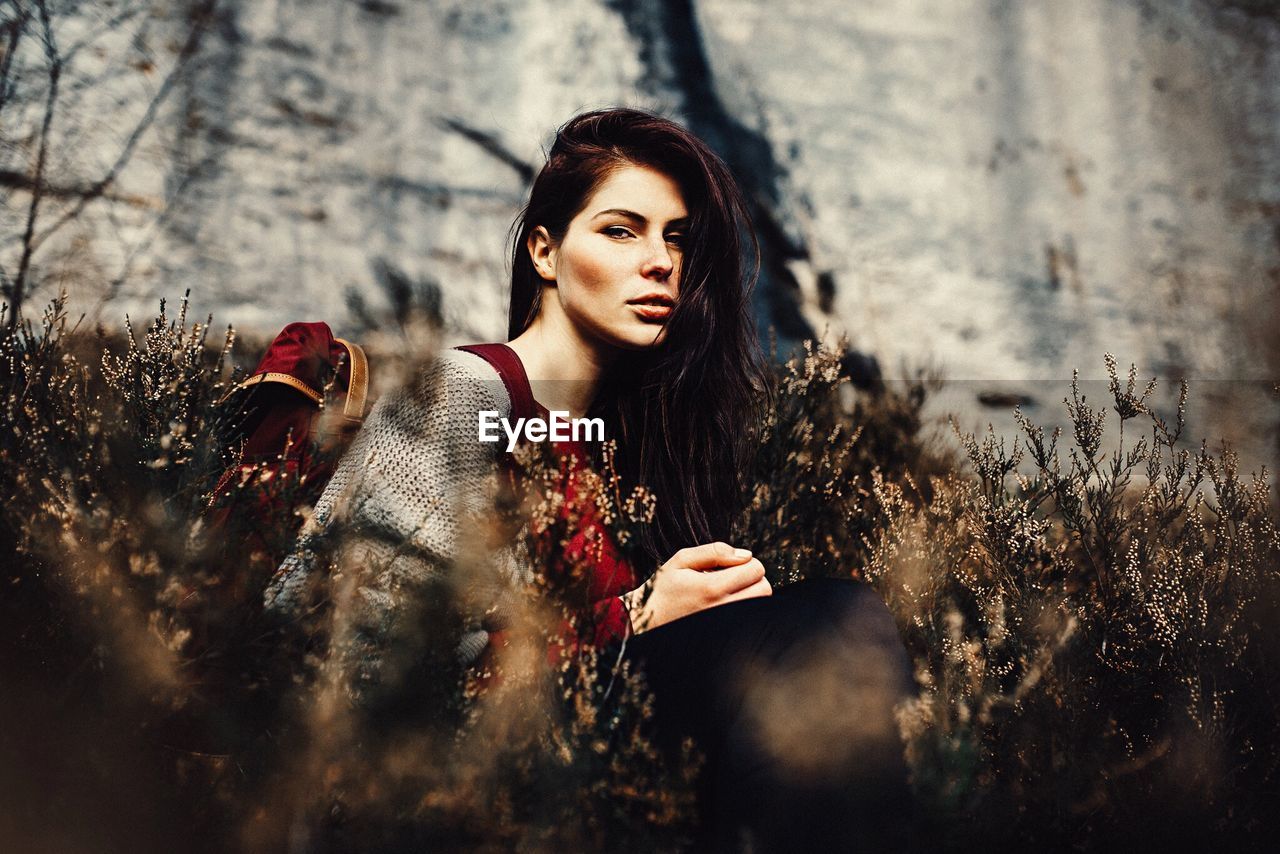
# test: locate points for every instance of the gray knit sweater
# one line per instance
(405, 502)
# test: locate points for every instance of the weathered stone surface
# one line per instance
(1007, 189)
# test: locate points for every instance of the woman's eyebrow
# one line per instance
(626, 214)
(635, 217)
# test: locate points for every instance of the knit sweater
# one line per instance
(412, 482)
(403, 503)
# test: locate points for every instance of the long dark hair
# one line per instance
(685, 412)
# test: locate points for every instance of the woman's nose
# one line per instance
(659, 265)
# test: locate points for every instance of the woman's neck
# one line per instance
(565, 370)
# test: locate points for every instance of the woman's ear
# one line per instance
(543, 253)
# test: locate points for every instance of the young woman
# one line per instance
(629, 304)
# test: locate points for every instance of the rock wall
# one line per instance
(1005, 189)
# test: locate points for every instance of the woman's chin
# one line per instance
(639, 336)
(647, 339)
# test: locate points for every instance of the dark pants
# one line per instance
(790, 699)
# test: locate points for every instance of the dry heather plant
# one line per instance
(820, 442)
(1096, 635)
(1093, 630)
(544, 746)
(134, 634)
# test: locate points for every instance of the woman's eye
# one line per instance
(676, 239)
(617, 231)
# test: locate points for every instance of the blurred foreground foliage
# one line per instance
(1095, 630)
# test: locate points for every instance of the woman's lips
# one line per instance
(651, 311)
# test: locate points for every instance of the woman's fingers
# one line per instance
(677, 590)
(709, 556)
(734, 579)
(760, 588)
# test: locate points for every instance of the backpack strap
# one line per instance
(358, 388)
(508, 365)
(302, 357)
(275, 377)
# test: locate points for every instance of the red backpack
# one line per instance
(287, 438)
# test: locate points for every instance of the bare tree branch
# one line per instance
(11, 33)
(19, 284)
(22, 181)
(202, 15)
(108, 26)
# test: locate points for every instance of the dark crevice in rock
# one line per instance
(433, 193)
(492, 146)
(672, 49)
(826, 291)
(1006, 400)
(300, 115)
(292, 48)
(377, 7)
(1253, 8)
(407, 300)
(675, 58)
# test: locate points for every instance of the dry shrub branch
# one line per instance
(1094, 628)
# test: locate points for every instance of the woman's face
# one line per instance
(616, 272)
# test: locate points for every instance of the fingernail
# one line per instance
(741, 553)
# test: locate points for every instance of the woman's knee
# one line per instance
(834, 598)
(848, 611)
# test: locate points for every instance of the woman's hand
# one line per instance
(696, 578)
